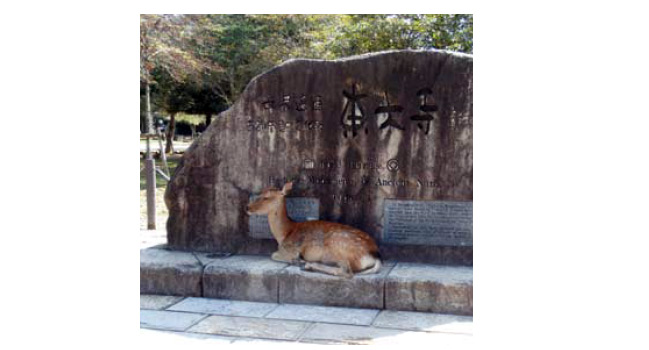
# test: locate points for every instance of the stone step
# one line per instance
(398, 285)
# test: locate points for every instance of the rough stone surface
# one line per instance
(243, 277)
(429, 288)
(251, 327)
(169, 273)
(324, 314)
(157, 302)
(295, 122)
(304, 287)
(427, 322)
(224, 307)
(168, 320)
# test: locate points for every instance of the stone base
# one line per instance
(170, 273)
(430, 288)
(243, 277)
(304, 287)
(398, 286)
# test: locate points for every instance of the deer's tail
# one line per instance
(373, 269)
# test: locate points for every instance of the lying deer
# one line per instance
(320, 243)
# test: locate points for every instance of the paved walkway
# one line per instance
(155, 147)
(207, 321)
(150, 238)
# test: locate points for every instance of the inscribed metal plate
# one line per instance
(442, 223)
(299, 209)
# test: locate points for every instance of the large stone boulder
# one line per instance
(354, 135)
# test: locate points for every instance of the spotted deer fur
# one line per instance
(327, 247)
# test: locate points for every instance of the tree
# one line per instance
(170, 55)
(358, 34)
(166, 45)
(247, 45)
(177, 99)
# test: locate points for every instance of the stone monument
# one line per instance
(382, 142)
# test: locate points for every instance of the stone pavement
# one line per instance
(191, 320)
(150, 238)
(155, 148)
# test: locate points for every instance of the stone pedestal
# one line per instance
(398, 286)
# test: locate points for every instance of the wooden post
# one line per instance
(150, 191)
(149, 165)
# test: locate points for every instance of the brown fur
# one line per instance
(319, 242)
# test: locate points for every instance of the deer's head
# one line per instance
(269, 200)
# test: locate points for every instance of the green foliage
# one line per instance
(368, 33)
(191, 119)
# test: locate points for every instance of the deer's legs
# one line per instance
(330, 270)
(284, 256)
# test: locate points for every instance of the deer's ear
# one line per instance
(287, 187)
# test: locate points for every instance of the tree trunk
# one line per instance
(171, 131)
(149, 118)
(208, 119)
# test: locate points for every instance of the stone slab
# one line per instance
(208, 258)
(243, 277)
(224, 307)
(157, 302)
(438, 223)
(305, 287)
(426, 322)
(324, 314)
(169, 273)
(251, 341)
(363, 335)
(251, 327)
(168, 320)
(178, 340)
(347, 333)
(430, 288)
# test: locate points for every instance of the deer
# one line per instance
(320, 246)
